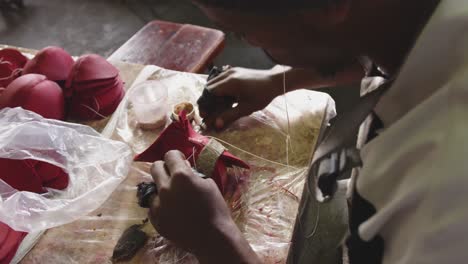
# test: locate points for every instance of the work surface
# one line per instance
(268, 205)
(179, 47)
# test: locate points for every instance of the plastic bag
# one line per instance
(96, 166)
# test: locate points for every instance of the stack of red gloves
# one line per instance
(92, 85)
(95, 88)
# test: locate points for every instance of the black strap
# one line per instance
(330, 159)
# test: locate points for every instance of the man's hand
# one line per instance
(253, 89)
(191, 212)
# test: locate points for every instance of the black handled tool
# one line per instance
(145, 191)
(209, 103)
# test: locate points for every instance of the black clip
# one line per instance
(214, 72)
(145, 191)
(333, 167)
(209, 103)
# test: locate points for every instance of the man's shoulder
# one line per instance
(431, 133)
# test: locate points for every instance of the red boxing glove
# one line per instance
(32, 175)
(95, 88)
(34, 93)
(90, 68)
(53, 62)
(98, 103)
(11, 63)
(180, 136)
(51, 176)
(26, 175)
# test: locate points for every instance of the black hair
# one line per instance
(266, 5)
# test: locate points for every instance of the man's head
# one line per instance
(301, 33)
(266, 5)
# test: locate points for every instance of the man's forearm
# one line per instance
(310, 79)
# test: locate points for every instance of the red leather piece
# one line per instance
(95, 87)
(86, 107)
(20, 175)
(33, 92)
(59, 183)
(4, 230)
(26, 175)
(14, 57)
(32, 176)
(11, 61)
(7, 75)
(220, 175)
(28, 81)
(181, 136)
(10, 245)
(110, 108)
(52, 176)
(53, 62)
(90, 68)
(47, 99)
(10, 256)
(25, 82)
(46, 171)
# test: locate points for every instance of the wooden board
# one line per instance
(172, 46)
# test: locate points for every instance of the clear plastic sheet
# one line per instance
(269, 201)
(96, 166)
(265, 209)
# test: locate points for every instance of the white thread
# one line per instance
(288, 144)
(249, 153)
(193, 155)
(17, 71)
(288, 135)
(3, 61)
(13, 73)
(94, 111)
(98, 106)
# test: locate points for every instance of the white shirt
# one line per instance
(415, 172)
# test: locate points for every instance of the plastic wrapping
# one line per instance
(268, 203)
(96, 166)
(265, 209)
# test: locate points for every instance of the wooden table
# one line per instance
(172, 46)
